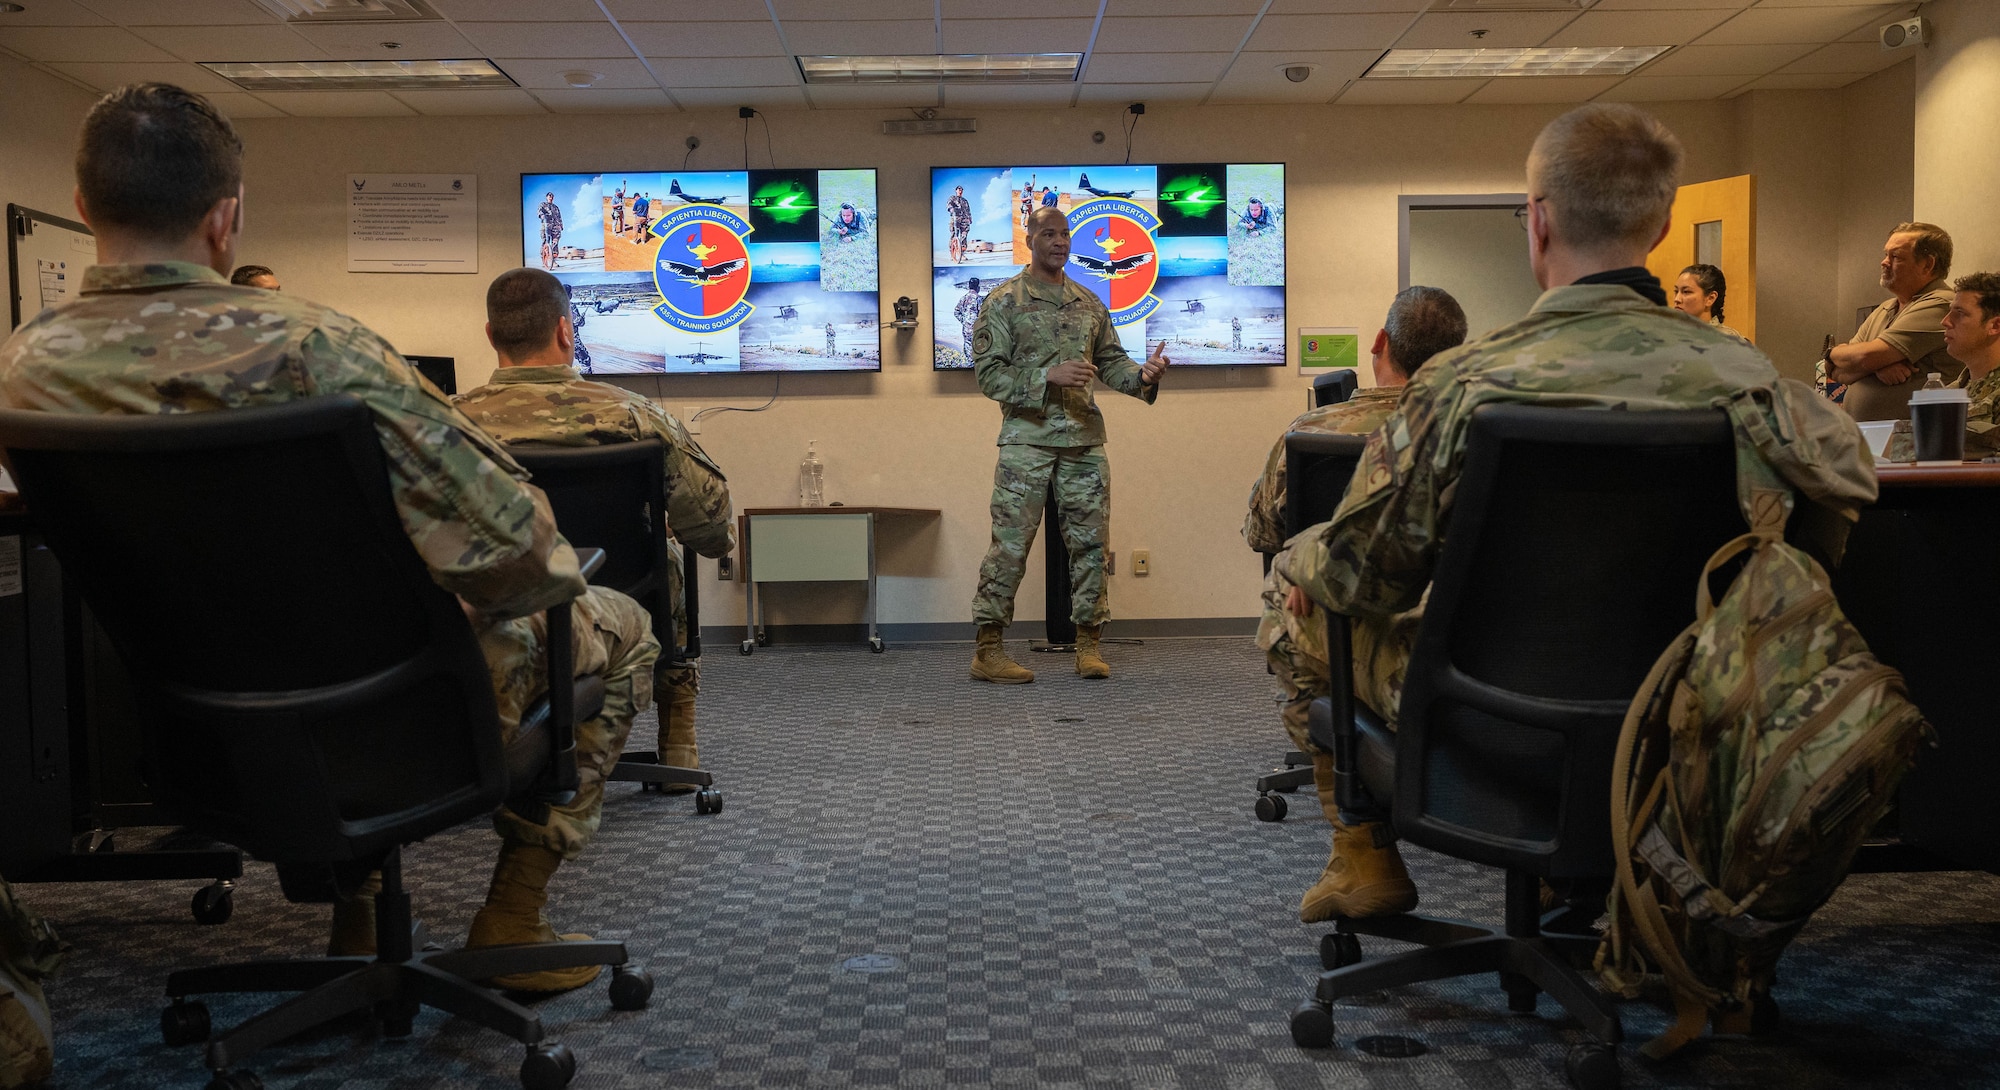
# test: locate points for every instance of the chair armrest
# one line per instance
(589, 561)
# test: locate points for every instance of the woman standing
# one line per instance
(1699, 290)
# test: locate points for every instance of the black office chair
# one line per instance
(306, 691)
(1334, 387)
(1317, 469)
(1575, 540)
(614, 497)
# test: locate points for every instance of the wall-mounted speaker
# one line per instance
(1916, 30)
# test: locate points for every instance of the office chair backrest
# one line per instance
(1334, 387)
(307, 692)
(1317, 469)
(1574, 544)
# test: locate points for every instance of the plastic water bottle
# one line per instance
(1935, 382)
(812, 477)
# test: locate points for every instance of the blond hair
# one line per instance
(1607, 172)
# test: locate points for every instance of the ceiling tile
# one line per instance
(1726, 60)
(420, 41)
(1345, 7)
(1637, 27)
(509, 11)
(616, 74)
(1145, 67)
(1034, 9)
(1761, 25)
(1520, 89)
(596, 39)
(1820, 82)
(468, 101)
(1175, 7)
(1655, 5)
(861, 37)
(1157, 94)
(697, 39)
(677, 10)
(336, 103)
(179, 12)
(1033, 94)
(1264, 72)
(105, 44)
(233, 43)
(1170, 34)
(726, 71)
(1453, 30)
(1672, 88)
(104, 77)
(236, 106)
(789, 10)
(54, 13)
(825, 97)
(1408, 92)
(1281, 32)
(1827, 4)
(763, 98)
(594, 101)
(1280, 93)
(1016, 35)
(1850, 57)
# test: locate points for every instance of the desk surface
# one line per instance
(885, 511)
(1963, 475)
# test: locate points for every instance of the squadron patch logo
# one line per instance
(1111, 242)
(702, 269)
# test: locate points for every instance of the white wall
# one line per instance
(1877, 158)
(1480, 256)
(1957, 148)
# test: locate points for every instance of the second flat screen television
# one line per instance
(1189, 253)
(707, 272)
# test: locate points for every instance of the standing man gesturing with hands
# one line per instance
(1040, 341)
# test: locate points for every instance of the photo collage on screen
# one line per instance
(1192, 254)
(706, 272)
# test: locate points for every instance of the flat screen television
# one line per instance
(441, 370)
(1189, 253)
(708, 272)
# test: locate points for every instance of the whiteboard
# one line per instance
(46, 256)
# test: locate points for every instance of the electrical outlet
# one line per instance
(692, 418)
(1142, 561)
(725, 569)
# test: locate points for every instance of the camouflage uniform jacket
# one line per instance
(1982, 419)
(558, 405)
(176, 337)
(1594, 346)
(1026, 327)
(1264, 526)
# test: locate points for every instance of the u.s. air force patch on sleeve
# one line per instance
(981, 341)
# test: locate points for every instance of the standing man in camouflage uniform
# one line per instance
(1600, 182)
(829, 338)
(959, 210)
(1235, 334)
(1040, 341)
(537, 395)
(967, 313)
(552, 228)
(579, 353)
(157, 330)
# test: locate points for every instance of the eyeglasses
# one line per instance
(1521, 216)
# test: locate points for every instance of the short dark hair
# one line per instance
(246, 273)
(1987, 286)
(1422, 322)
(1710, 279)
(525, 306)
(1932, 242)
(152, 159)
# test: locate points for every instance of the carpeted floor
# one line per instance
(922, 881)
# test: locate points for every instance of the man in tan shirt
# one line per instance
(1903, 340)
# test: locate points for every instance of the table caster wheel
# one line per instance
(763, 638)
(548, 1067)
(748, 647)
(708, 801)
(631, 988)
(876, 646)
(235, 1080)
(213, 903)
(1338, 950)
(1312, 1024)
(184, 1023)
(1592, 1066)
(1271, 808)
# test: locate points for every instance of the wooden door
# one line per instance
(1725, 207)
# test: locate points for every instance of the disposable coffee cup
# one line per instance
(1937, 424)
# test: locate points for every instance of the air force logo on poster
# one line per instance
(1111, 243)
(702, 268)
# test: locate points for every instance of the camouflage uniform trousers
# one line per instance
(30, 953)
(614, 640)
(1296, 648)
(670, 676)
(1020, 491)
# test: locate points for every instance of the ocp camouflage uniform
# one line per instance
(30, 954)
(1025, 328)
(175, 337)
(558, 405)
(1596, 346)
(1296, 646)
(1982, 419)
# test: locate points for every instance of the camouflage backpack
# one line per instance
(1764, 745)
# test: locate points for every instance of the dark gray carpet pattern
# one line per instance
(921, 881)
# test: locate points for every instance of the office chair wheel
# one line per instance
(184, 1023)
(1592, 1066)
(213, 904)
(1312, 1024)
(708, 801)
(1338, 950)
(235, 1080)
(631, 987)
(1271, 808)
(548, 1067)
(748, 646)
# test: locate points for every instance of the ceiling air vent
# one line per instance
(350, 11)
(930, 126)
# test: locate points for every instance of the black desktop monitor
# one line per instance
(441, 370)
(1334, 387)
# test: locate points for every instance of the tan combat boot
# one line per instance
(1364, 875)
(354, 921)
(677, 744)
(990, 661)
(1089, 663)
(513, 915)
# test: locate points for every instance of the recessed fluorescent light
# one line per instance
(962, 68)
(359, 75)
(1616, 60)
